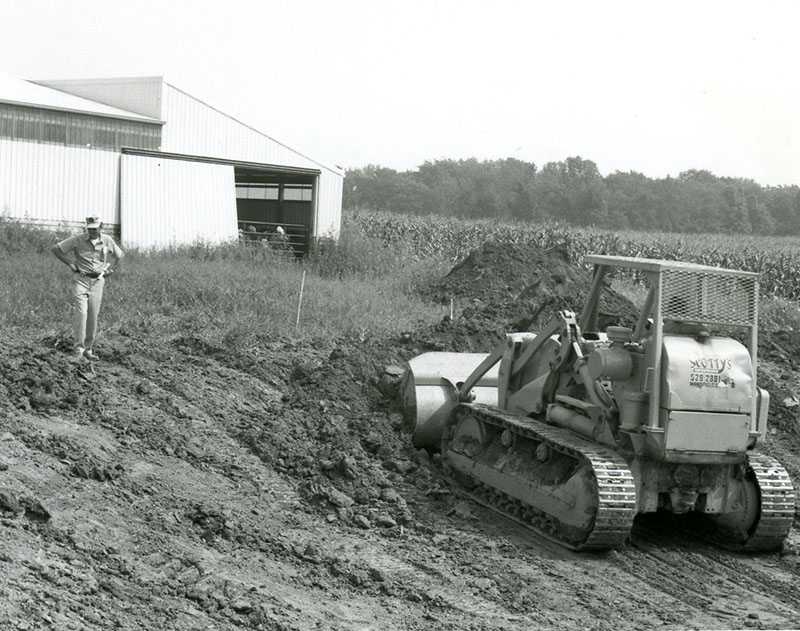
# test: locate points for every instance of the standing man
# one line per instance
(88, 257)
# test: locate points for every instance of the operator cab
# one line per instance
(693, 392)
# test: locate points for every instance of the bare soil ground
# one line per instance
(177, 485)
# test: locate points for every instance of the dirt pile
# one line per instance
(779, 374)
(500, 288)
(147, 476)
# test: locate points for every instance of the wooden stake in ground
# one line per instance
(300, 300)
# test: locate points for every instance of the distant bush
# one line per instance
(573, 191)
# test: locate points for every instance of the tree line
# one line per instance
(575, 192)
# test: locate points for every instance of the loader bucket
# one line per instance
(430, 392)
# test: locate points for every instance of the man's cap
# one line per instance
(280, 230)
(251, 228)
(93, 221)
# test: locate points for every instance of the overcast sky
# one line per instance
(657, 88)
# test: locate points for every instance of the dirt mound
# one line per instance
(197, 458)
(779, 374)
(498, 272)
(503, 288)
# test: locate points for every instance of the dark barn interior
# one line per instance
(266, 200)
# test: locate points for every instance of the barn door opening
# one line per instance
(267, 200)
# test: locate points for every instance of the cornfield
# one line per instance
(776, 259)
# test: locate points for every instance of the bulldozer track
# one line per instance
(776, 511)
(616, 491)
(777, 504)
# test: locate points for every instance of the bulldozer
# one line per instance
(574, 431)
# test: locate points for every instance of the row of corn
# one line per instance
(776, 259)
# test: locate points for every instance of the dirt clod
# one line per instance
(9, 503)
(362, 522)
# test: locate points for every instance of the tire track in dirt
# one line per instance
(216, 429)
(565, 589)
(731, 583)
(685, 589)
(658, 576)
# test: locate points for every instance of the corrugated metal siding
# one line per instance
(141, 95)
(329, 205)
(52, 184)
(197, 129)
(175, 202)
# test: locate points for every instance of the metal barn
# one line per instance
(160, 166)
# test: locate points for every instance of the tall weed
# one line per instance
(230, 295)
(357, 255)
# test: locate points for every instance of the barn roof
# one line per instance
(20, 92)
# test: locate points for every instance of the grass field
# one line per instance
(232, 295)
(363, 286)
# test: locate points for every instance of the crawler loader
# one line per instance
(574, 431)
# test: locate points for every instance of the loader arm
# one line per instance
(465, 388)
(496, 355)
(588, 317)
(563, 326)
(555, 327)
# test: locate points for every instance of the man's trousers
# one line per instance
(87, 294)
